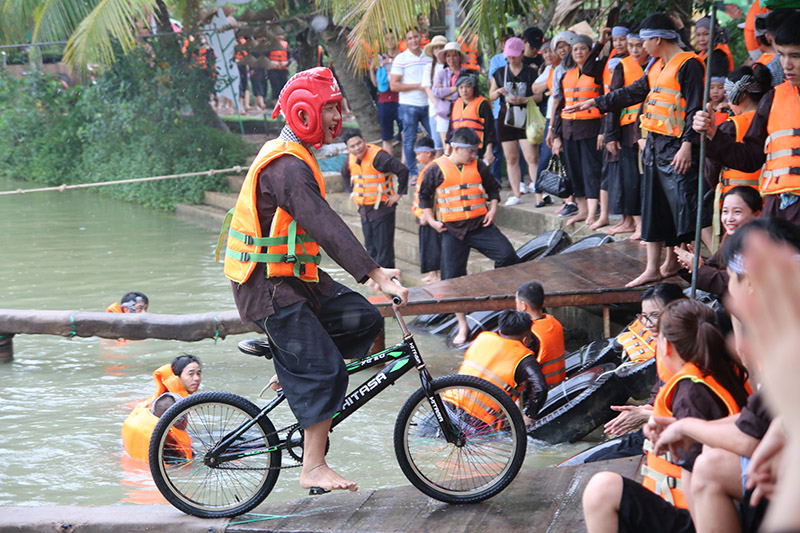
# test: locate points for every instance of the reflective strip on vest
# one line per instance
(555, 361)
(579, 87)
(370, 186)
(494, 378)
(665, 108)
(782, 166)
(461, 192)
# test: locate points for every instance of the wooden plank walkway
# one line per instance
(545, 500)
(596, 276)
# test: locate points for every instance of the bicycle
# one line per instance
(458, 439)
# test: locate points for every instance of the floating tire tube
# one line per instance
(478, 322)
(583, 413)
(638, 378)
(544, 243)
(429, 321)
(592, 241)
(571, 388)
(580, 458)
(595, 353)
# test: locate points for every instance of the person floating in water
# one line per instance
(131, 302)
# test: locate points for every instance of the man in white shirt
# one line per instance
(406, 79)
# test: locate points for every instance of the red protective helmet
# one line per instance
(309, 91)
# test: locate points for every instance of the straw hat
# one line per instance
(452, 45)
(436, 41)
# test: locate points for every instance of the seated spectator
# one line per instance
(740, 206)
(547, 332)
(131, 302)
(707, 383)
(505, 360)
(472, 110)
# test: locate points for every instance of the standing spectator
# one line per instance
(472, 110)
(406, 79)
(533, 38)
(258, 71)
(430, 240)
(543, 88)
(387, 99)
(472, 54)
(432, 70)
(512, 85)
(368, 172)
(465, 196)
(498, 61)
(670, 158)
(242, 58)
(578, 133)
(278, 71)
(444, 86)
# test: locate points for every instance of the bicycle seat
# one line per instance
(257, 347)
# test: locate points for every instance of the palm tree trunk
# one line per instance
(357, 94)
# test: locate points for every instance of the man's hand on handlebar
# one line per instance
(384, 280)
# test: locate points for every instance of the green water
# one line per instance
(64, 400)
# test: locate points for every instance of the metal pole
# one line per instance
(698, 241)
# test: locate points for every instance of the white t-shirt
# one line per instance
(542, 79)
(426, 82)
(411, 69)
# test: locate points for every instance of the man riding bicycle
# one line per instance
(280, 222)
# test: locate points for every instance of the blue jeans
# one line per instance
(411, 116)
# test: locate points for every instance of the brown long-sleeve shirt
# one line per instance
(748, 155)
(383, 162)
(289, 183)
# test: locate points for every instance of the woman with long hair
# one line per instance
(708, 383)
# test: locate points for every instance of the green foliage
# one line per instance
(142, 118)
(736, 41)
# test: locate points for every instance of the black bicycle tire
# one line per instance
(183, 502)
(429, 487)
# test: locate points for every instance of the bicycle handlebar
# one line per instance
(396, 300)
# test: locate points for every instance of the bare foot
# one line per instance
(599, 223)
(620, 228)
(577, 218)
(324, 477)
(645, 277)
(636, 236)
(669, 269)
(459, 339)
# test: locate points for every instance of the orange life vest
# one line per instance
(139, 425)
(725, 49)
(661, 474)
(579, 88)
(782, 168)
(765, 59)
(637, 342)
(750, 41)
(415, 208)
(732, 178)
(245, 238)
(470, 53)
(608, 72)
(550, 76)
(370, 186)
(461, 195)
(665, 106)
(114, 308)
(468, 116)
(495, 359)
(280, 55)
(550, 333)
(720, 117)
(633, 71)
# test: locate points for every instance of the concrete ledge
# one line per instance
(122, 518)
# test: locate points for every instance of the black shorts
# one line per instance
(507, 133)
(583, 163)
(642, 510)
(669, 204)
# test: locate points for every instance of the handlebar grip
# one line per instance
(396, 300)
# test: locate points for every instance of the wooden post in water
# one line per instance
(6, 347)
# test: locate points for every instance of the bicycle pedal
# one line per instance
(317, 491)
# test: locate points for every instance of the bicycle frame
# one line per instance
(400, 359)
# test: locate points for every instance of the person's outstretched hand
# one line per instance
(704, 122)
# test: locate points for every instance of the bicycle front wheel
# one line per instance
(228, 485)
(490, 447)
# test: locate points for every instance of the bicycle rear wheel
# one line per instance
(235, 482)
(490, 449)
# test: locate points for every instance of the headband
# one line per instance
(737, 89)
(581, 38)
(619, 31)
(424, 149)
(736, 264)
(634, 35)
(704, 22)
(652, 33)
(719, 79)
(465, 145)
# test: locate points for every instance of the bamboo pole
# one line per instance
(698, 241)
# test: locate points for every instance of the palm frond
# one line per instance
(370, 21)
(55, 20)
(488, 17)
(15, 20)
(110, 19)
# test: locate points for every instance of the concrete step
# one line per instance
(203, 215)
(333, 182)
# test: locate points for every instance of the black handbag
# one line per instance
(553, 180)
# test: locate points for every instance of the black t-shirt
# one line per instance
(519, 85)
